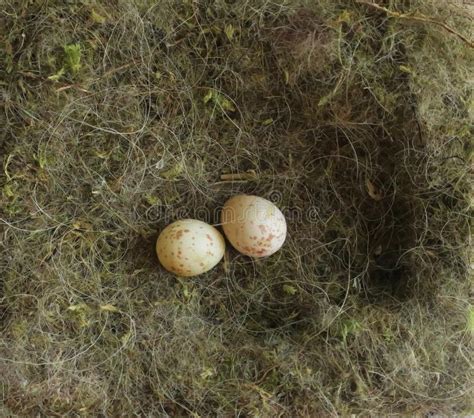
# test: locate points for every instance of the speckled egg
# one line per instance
(189, 247)
(253, 225)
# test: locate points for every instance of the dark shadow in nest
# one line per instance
(142, 251)
(142, 267)
(388, 209)
(387, 278)
(373, 212)
(286, 317)
(391, 235)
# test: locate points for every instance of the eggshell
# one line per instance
(253, 225)
(189, 247)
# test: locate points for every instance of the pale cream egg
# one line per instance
(189, 247)
(253, 225)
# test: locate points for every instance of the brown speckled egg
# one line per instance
(253, 225)
(189, 247)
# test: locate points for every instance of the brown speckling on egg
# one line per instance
(173, 245)
(255, 233)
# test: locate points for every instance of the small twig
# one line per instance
(114, 70)
(29, 74)
(70, 86)
(249, 175)
(418, 18)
